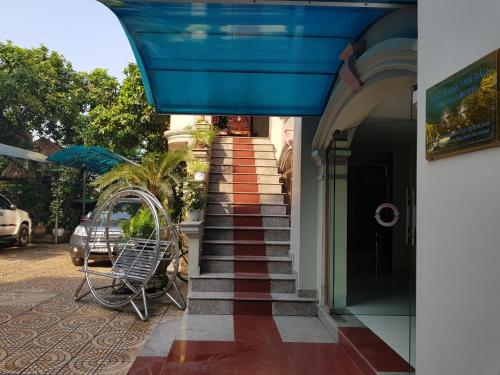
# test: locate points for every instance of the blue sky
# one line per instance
(84, 31)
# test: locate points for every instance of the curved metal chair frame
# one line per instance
(137, 260)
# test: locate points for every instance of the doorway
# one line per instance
(379, 250)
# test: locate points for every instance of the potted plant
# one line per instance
(198, 169)
(194, 199)
(203, 135)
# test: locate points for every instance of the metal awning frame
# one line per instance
(338, 4)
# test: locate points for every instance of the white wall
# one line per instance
(178, 122)
(458, 244)
(276, 127)
(307, 280)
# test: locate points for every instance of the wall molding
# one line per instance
(392, 62)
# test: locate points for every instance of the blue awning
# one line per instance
(243, 58)
(93, 159)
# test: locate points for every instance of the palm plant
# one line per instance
(158, 172)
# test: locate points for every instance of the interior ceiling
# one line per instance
(383, 135)
(243, 58)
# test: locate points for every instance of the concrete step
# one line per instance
(370, 353)
(229, 187)
(245, 177)
(244, 233)
(242, 153)
(258, 162)
(243, 147)
(230, 168)
(241, 247)
(246, 208)
(243, 282)
(246, 263)
(242, 140)
(241, 303)
(245, 197)
(255, 220)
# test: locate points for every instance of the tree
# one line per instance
(126, 123)
(159, 173)
(39, 93)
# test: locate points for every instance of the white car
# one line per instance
(15, 224)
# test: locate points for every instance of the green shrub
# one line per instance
(193, 195)
(203, 135)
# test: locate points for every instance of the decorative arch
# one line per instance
(384, 70)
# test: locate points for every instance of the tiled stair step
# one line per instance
(252, 220)
(372, 355)
(245, 177)
(247, 233)
(230, 168)
(243, 282)
(243, 153)
(246, 208)
(246, 264)
(246, 197)
(243, 147)
(259, 248)
(241, 303)
(229, 187)
(258, 162)
(242, 140)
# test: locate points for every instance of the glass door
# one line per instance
(372, 230)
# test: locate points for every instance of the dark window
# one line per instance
(4, 203)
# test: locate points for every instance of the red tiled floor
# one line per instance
(247, 221)
(312, 358)
(201, 357)
(239, 141)
(243, 154)
(261, 330)
(247, 266)
(245, 178)
(239, 146)
(252, 285)
(243, 161)
(242, 307)
(246, 209)
(245, 188)
(257, 350)
(363, 343)
(249, 235)
(147, 366)
(246, 198)
(244, 169)
(256, 250)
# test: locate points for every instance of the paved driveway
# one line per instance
(42, 331)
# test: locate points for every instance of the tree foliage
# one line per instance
(39, 93)
(159, 173)
(42, 95)
(127, 124)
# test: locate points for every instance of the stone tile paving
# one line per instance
(43, 331)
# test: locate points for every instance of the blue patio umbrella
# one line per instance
(93, 159)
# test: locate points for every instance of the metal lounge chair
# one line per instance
(137, 264)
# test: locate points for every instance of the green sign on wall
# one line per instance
(462, 110)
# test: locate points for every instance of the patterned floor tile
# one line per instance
(42, 329)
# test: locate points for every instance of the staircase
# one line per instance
(246, 268)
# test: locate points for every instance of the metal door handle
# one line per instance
(408, 208)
